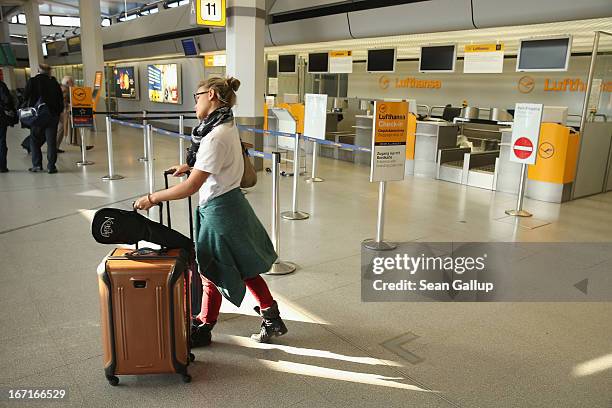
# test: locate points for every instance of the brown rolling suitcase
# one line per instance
(145, 312)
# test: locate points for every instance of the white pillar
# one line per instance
(245, 37)
(35, 54)
(8, 73)
(91, 50)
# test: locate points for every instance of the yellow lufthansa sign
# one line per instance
(81, 97)
(81, 101)
(336, 54)
(484, 48)
(391, 123)
(389, 133)
(210, 13)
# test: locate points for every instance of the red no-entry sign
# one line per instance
(523, 148)
(526, 132)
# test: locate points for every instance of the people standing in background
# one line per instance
(44, 88)
(63, 126)
(7, 118)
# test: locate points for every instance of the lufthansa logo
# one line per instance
(546, 150)
(526, 84)
(382, 108)
(383, 82)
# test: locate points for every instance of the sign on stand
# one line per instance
(315, 115)
(81, 101)
(389, 141)
(526, 132)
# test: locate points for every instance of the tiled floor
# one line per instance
(337, 352)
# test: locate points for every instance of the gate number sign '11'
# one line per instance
(210, 13)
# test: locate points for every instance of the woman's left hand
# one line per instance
(143, 203)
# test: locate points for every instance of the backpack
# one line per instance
(38, 115)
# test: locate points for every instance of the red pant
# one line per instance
(211, 298)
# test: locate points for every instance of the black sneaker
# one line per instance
(52, 171)
(35, 169)
(88, 147)
(60, 151)
(4, 170)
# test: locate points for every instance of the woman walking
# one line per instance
(232, 247)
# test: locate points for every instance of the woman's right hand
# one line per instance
(179, 169)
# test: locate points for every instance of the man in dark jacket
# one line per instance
(7, 111)
(45, 88)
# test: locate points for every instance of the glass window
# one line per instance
(172, 5)
(21, 18)
(45, 20)
(14, 19)
(106, 22)
(144, 12)
(183, 2)
(44, 48)
(154, 10)
(66, 21)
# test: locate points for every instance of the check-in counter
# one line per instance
(430, 137)
(462, 166)
(551, 178)
(363, 137)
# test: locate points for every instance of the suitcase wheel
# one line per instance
(191, 357)
(113, 380)
(186, 378)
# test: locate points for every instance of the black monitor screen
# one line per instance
(544, 54)
(318, 62)
(286, 64)
(381, 60)
(437, 58)
(272, 69)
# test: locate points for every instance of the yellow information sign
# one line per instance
(217, 60)
(210, 13)
(484, 48)
(81, 100)
(335, 54)
(389, 141)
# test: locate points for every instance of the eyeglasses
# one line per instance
(195, 95)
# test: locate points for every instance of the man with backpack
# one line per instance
(8, 117)
(43, 92)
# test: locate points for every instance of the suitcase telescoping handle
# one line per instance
(166, 174)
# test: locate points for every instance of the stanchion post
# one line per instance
(181, 139)
(144, 136)
(109, 148)
(278, 267)
(314, 178)
(84, 161)
(150, 162)
(295, 214)
(379, 244)
(519, 212)
(153, 211)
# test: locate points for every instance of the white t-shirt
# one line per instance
(220, 154)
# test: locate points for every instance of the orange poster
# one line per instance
(389, 141)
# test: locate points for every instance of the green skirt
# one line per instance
(231, 244)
